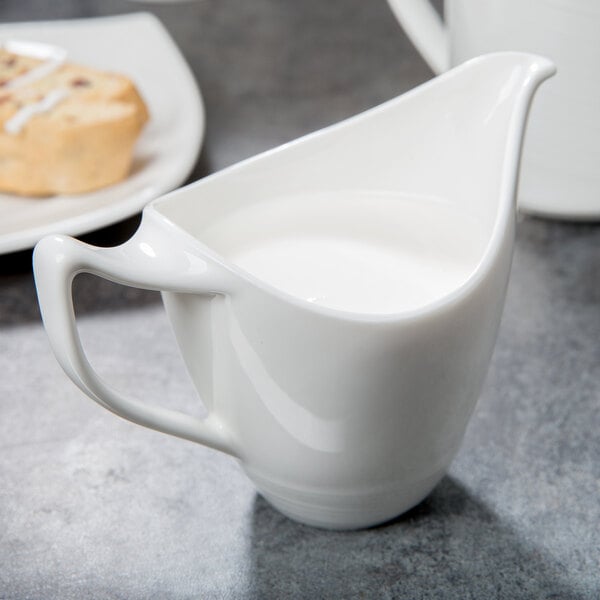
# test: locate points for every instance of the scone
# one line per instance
(64, 128)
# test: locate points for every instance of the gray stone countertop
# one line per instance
(92, 506)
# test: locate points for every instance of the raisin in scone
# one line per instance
(64, 130)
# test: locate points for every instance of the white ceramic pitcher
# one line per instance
(561, 173)
(342, 416)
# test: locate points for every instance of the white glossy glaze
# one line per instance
(560, 175)
(342, 419)
(15, 124)
(52, 56)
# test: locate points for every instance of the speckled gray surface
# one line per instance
(94, 507)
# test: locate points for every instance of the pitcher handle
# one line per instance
(58, 259)
(426, 31)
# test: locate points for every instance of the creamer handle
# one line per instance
(57, 260)
(426, 30)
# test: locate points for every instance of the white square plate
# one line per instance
(136, 45)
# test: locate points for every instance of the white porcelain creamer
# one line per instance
(560, 174)
(336, 300)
